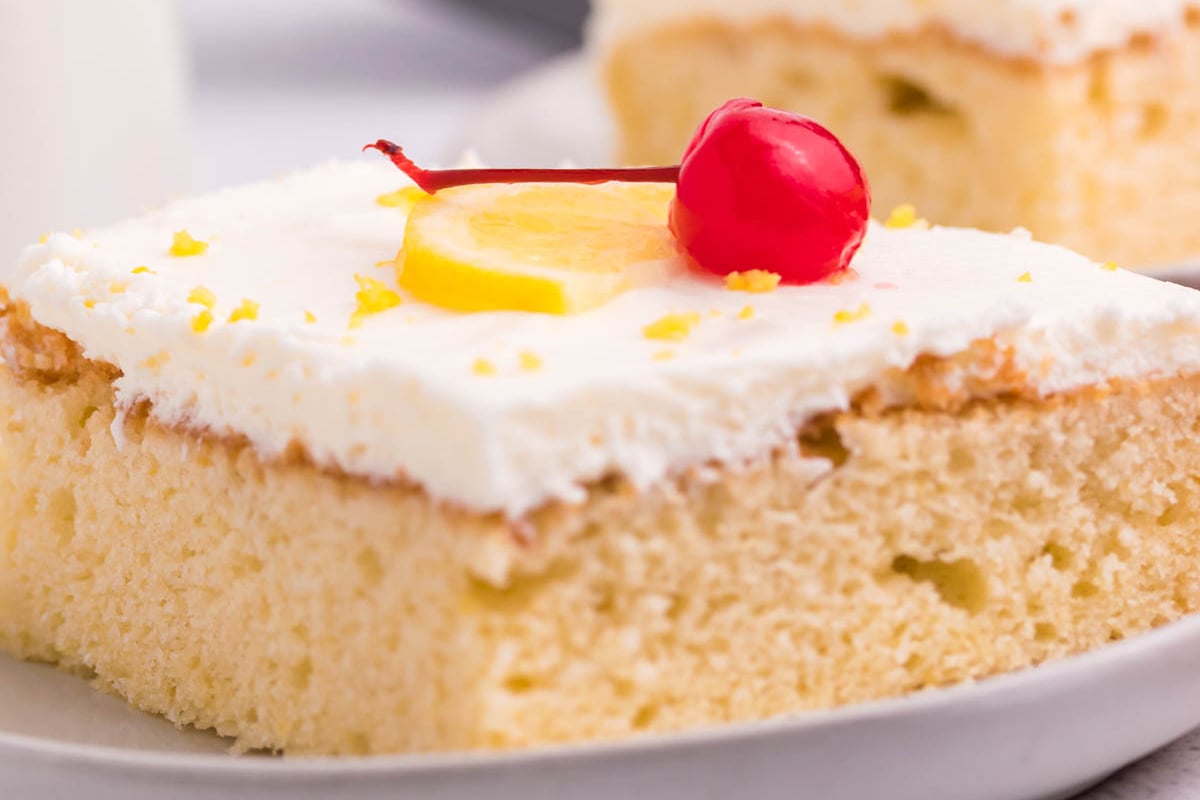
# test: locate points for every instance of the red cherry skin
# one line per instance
(765, 189)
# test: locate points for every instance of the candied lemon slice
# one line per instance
(551, 248)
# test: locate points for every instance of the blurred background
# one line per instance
(112, 105)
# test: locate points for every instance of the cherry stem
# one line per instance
(434, 180)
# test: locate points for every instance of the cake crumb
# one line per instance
(747, 313)
(756, 281)
(1109, 266)
(185, 246)
(249, 359)
(373, 297)
(117, 287)
(247, 311)
(905, 216)
(845, 317)
(89, 303)
(901, 328)
(672, 327)
(1025, 278)
(530, 362)
(309, 316)
(483, 367)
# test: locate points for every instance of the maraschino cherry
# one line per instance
(757, 189)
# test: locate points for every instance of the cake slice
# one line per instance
(1073, 118)
(251, 483)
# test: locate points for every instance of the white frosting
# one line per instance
(1055, 31)
(401, 399)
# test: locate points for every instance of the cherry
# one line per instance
(757, 189)
(765, 189)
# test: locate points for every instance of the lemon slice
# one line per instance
(550, 248)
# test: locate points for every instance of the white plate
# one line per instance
(555, 114)
(1043, 733)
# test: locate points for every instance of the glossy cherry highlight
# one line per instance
(757, 189)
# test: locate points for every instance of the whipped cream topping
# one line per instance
(399, 397)
(1054, 31)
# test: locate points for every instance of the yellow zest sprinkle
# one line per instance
(310, 317)
(45, 237)
(389, 263)
(756, 280)
(672, 327)
(664, 355)
(857, 315)
(77, 233)
(716, 313)
(249, 359)
(373, 296)
(348, 340)
(1109, 266)
(248, 310)
(202, 296)
(746, 313)
(89, 303)
(117, 287)
(143, 271)
(1026, 278)
(483, 367)
(905, 216)
(202, 321)
(401, 198)
(530, 362)
(900, 329)
(184, 246)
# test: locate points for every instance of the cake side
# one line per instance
(937, 545)
(1048, 31)
(1076, 152)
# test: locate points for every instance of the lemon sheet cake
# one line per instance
(253, 484)
(1074, 118)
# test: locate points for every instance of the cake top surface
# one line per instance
(505, 411)
(1054, 31)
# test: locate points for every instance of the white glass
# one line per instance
(91, 113)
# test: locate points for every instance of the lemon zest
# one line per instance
(846, 317)
(247, 311)
(373, 297)
(905, 216)
(756, 281)
(672, 327)
(185, 246)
